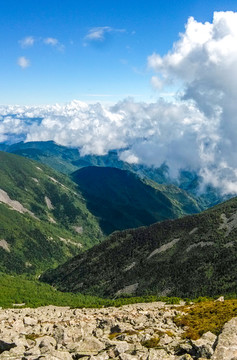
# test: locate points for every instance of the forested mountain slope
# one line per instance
(188, 257)
(43, 218)
(120, 199)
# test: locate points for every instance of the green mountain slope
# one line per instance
(49, 153)
(43, 218)
(122, 200)
(188, 257)
(67, 160)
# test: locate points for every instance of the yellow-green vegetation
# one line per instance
(169, 333)
(32, 336)
(206, 316)
(152, 342)
(114, 335)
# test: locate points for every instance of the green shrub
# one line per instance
(206, 316)
(151, 343)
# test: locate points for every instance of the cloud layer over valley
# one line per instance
(195, 131)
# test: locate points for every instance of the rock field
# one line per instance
(132, 332)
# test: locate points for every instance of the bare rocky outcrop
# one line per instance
(14, 204)
(68, 241)
(229, 224)
(48, 203)
(4, 245)
(78, 229)
(132, 332)
(129, 289)
(201, 244)
(163, 248)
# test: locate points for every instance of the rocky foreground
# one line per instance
(132, 332)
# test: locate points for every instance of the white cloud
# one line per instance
(53, 42)
(204, 61)
(154, 132)
(197, 132)
(156, 82)
(98, 34)
(23, 62)
(176, 133)
(27, 41)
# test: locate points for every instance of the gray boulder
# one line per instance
(204, 347)
(226, 348)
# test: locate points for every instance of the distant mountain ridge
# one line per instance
(68, 160)
(188, 257)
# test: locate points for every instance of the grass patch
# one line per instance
(32, 336)
(152, 342)
(206, 316)
(32, 293)
(113, 336)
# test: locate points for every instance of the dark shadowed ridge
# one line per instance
(121, 200)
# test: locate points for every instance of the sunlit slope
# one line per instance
(43, 218)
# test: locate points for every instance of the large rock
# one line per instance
(61, 355)
(88, 346)
(30, 321)
(226, 348)
(159, 355)
(204, 346)
(46, 344)
(103, 356)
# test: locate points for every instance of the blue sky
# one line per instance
(154, 79)
(57, 51)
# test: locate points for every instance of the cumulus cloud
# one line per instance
(23, 62)
(98, 34)
(12, 129)
(156, 82)
(204, 61)
(178, 134)
(27, 41)
(150, 133)
(197, 132)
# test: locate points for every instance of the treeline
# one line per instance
(20, 290)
